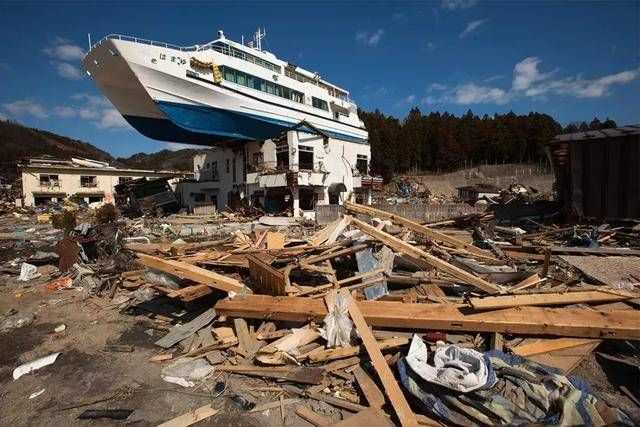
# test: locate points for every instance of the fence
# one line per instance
(431, 213)
(421, 213)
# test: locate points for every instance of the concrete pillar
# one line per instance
(295, 194)
(292, 141)
(369, 198)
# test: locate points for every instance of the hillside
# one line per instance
(165, 160)
(20, 142)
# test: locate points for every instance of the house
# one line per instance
(48, 179)
(293, 173)
(473, 193)
(597, 173)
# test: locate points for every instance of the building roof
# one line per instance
(87, 164)
(598, 134)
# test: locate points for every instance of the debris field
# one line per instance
(373, 319)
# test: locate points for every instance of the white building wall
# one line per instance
(334, 163)
(70, 183)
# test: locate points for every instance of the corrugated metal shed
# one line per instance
(598, 172)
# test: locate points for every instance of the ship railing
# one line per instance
(145, 41)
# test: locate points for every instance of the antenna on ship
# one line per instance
(259, 35)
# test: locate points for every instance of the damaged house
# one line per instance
(293, 173)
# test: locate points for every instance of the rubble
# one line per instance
(373, 318)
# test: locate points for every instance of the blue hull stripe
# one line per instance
(233, 125)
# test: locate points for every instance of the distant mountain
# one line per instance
(19, 142)
(165, 160)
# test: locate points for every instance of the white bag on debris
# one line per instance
(34, 365)
(185, 372)
(457, 368)
(28, 272)
(337, 324)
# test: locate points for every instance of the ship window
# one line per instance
(229, 74)
(320, 103)
(257, 83)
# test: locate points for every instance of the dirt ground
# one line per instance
(86, 373)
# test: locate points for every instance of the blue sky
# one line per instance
(573, 60)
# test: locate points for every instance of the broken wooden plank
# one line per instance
(545, 346)
(274, 404)
(266, 279)
(181, 332)
(190, 293)
(191, 272)
(300, 375)
(191, 417)
(545, 299)
(566, 321)
(418, 228)
(324, 354)
(528, 282)
(369, 388)
(370, 417)
(410, 250)
(312, 417)
(275, 240)
(391, 387)
(248, 342)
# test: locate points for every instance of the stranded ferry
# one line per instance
(220, 91)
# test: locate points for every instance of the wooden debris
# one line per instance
(300, 375)
(180, 332)
(312, 417)
(275, 240)
(568, 322)
(545, 299)
(370, 417)
(394, 393)
(192, 417)
(369, 388)
(406, 248)
(191, 272)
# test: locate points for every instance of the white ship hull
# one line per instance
(162, 96)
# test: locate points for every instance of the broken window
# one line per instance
(198, 197)
(362, 164)
(282, 157)
(258, 159)
(48, 180)
(307, 199)
(88, 181)
(305, 157)
(123, 179)
(214, 171)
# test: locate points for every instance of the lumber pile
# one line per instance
(279, 303)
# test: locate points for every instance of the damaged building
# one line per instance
(597, 173)
(294, 173)
(47, 179)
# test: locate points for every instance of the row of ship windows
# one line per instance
(257, 83)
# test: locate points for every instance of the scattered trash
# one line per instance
(186, 372)
(36, 394)
(28, 272)
(60, 283)
(34, 365)
(60, 328)
(16, 321)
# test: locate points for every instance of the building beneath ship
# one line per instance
(295, 173)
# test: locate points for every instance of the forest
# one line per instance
(440, 142)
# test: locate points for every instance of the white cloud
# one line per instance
(471, 27)
(528, 81)
(370, 39)
(471, 93)
(63, 50)
(111, 119)
(526, 73)
(65, 112)
(93, 108)
(68, 71)
(493, 78)
(458, 4)
(436, 87)
(25, 107)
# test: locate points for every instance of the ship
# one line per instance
(219, 92)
